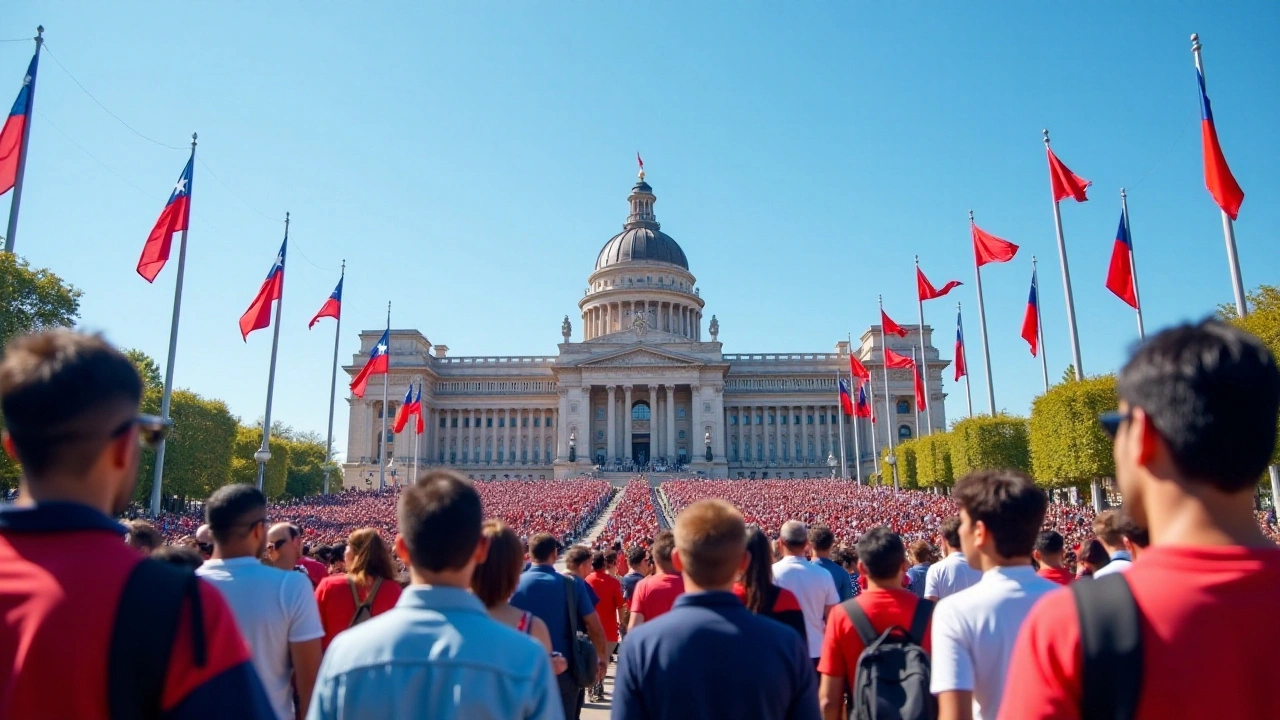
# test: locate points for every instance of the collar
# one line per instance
(710, 598)
(234, 562)
(793, 558)
(57, 516)
(548, 569)
(1016, 572)
(1121, 555)
(440, 597)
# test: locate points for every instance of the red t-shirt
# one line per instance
(656, 594)
(1061, 576)
(337, 607)
(1208, 627)
(841, 644)
(315, 570)
(609, 592)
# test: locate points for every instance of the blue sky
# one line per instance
(468, 160)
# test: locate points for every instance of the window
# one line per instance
(822, 419)
(759, 419)
(524, 422)
(502, 422)
(904, 432)
(746, 419)
(733, 419)
(599, 413)
(904, 408)
(537, 422)
(488, 422)
(680, 411)
(681, 435)
(682, 455)
(444, 423)
(599, 456)
(771, 419)
(784, 419)
(797, 420)
(809, 419)
(640, 411)
(833, 420)
(466, 422)
(599, 434)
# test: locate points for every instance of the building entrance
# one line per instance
(640, 448)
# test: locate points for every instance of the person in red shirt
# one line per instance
(370, 570)
(69, 585)
(656, 594)
(1048, 555)
(1195, 430)
(760, 594)
(609, 604)
(882, 559)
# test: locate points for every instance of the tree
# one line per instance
(307, 466)
(199, 450)
(244, 469)
(1068, 445)
(147, 368)
(983, 442)
(905, 454)
(1263, 321)
(933, 460)
(1069, 375)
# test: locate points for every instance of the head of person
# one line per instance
(143, 536)
(179, 555)
(638, 559)
(882, 557)
(70, 404)
(1049, 548)
(1197, 416)
(663, 546)
(284, 545)
(439, 518)
(1110, 527)
(851, 559)
(237, 517)
(757, 576)
(368, 557)
(337, 558)
(821, 538)
(1093, 556)
(949, 531)
(610, 559)
(543, 549)
(204, 541)
(1001, 512)
(600, 562)
(578, 560)
(921, 552)
(793, 538)
(496, 578)
(711, 545)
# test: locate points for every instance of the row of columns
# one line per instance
(471, 444)
(785, 450)
(662, 421)
(683, 320)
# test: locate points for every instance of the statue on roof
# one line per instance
(566, 328)
(714, 328)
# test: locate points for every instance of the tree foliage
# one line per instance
(905, 454)
(148, 369)
(1263, 321)
(933, 460)
(199, 448)
(984, 442)
(1068, 445)
(244, 469)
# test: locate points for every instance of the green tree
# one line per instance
(1069, 375)
(905, 455)
(983, 442)
(244, 469)
(199, 450)
(933, 460)
(1068, 445)
(147, 368)
(1263, 321)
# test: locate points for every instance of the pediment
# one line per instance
(640, 357)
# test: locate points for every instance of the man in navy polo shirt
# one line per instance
(70, 404)
(542, 591)
(709, 657)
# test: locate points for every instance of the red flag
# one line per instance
(258, 315)
(962, 367)
(863, 408)
(1065, 184)
(890, 326)
(846, 400)
(1222, 184)
(1031, 320)
(379, 360)
(402, 415)
(1120, 273)
(420, 424)
(896, 361)
(927, 291)
(921, 404)
(988, 248)
(174, 218)
(15, 126)
(332, 307)
(857, 369)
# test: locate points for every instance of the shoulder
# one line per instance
(786, 600)
(331, 582)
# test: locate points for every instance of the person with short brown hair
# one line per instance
(676, 665)
(1114, 529)
(656, 594)
(143, 537)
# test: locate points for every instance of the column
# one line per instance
(777, 433)
(696, 449)
(609, 425)
(670, 434)
(626, 412)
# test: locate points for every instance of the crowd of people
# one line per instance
(635, 517)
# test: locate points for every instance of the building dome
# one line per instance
(641, 239)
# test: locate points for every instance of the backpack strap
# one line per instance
(1111, 638)
(920, 620)
(861, 623)
(142, 637)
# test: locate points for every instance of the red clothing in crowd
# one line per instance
(656, 594)
(1062, 576)
(842, 645)
(609, 591)
(785, 608)
(1208, 625)
(337, 607)
(315, 570)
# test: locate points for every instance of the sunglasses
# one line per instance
(277, 544)
(1111, 421)
(205, 547)
(152, 430)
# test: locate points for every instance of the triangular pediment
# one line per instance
(641, 357)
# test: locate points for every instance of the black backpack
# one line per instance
(892, 677)
(1111, 644)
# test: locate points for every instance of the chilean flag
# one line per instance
(1031, 321)
(332, 307)
(405, 411)
(846, 400)
(1120, 278)
(1217, 175)
(417, 410)
(14, 127)
(890, 326)
(174, 218)
(258, 315)
(863, 408)
(379, 360)
(925, 289)
(962, 368)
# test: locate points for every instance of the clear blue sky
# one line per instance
(470, 159)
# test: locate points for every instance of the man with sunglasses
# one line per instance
(284, 550)
(74, 599)
(1187, 630)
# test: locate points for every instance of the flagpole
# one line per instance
(982, 330)
(857, 450)
(1044, 356)
(924, 374)
(16, 202)
(844, 466)
(264, 453)
(417, 436)
(875, 438)
(884, 354)
(916, 369)
(1066, 283)
(968, 396)
(333, 386)
(1133, 263)
(382, 446)
(167, 395)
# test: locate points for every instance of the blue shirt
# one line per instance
(844, 586)
(916, 574)
(629, 582)
(542, 592)
(710, 657)
(436, 654)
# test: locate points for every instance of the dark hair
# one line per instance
(839, 556)
(439, 518)
(636, 555)
(882, 551)
(1094, 553)
(1212, 391)
(542, 546)
(63, 394)
(821, 537)
(1008, 503)
(229, 507)
(144, 536)
(323, 554)
(1049, 542)
(338, 553)
(611, 558)
(370, 557)
(598, 560)
(178, 555)
(757, 579)
(661, 550)
(577, 555)
(950, 531)
(711, 536)
(496, 578)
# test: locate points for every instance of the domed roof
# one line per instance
(641, 244)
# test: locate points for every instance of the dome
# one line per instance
(641, 244)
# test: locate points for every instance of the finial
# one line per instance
(344, 265)
(193, 138)
(39, 31)
(286, 216)
(970, 216)
(1045, 133)
(1122, 192)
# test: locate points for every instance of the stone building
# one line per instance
(646, 384)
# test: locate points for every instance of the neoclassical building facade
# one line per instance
(646, 384)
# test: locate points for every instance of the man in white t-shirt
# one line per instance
(953, 573)
(974, 631)
(811, 584)
(275, 609)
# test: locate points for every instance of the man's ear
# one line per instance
(482, 550)
(676, 561)
(1145, 436)
(402, 550)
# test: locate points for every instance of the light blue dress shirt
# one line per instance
(438, 655)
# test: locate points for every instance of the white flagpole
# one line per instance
(1066, 283)
(15, 204)
(884, 354)
(924, 372)
(1133, 263)
(167, 395)
(914, 370)
(982, 330)
(875, 440)
(333, 385)
(964, 347)
(264, 453)
(382, 446)
(1044, 356)
(844, 466)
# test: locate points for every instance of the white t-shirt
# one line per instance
(973, 634)
(950, 576)
(273, 608)
(1120, 562)
(813, 587)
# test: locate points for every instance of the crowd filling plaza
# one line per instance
(700, 598)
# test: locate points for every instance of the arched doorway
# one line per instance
(640, 416)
